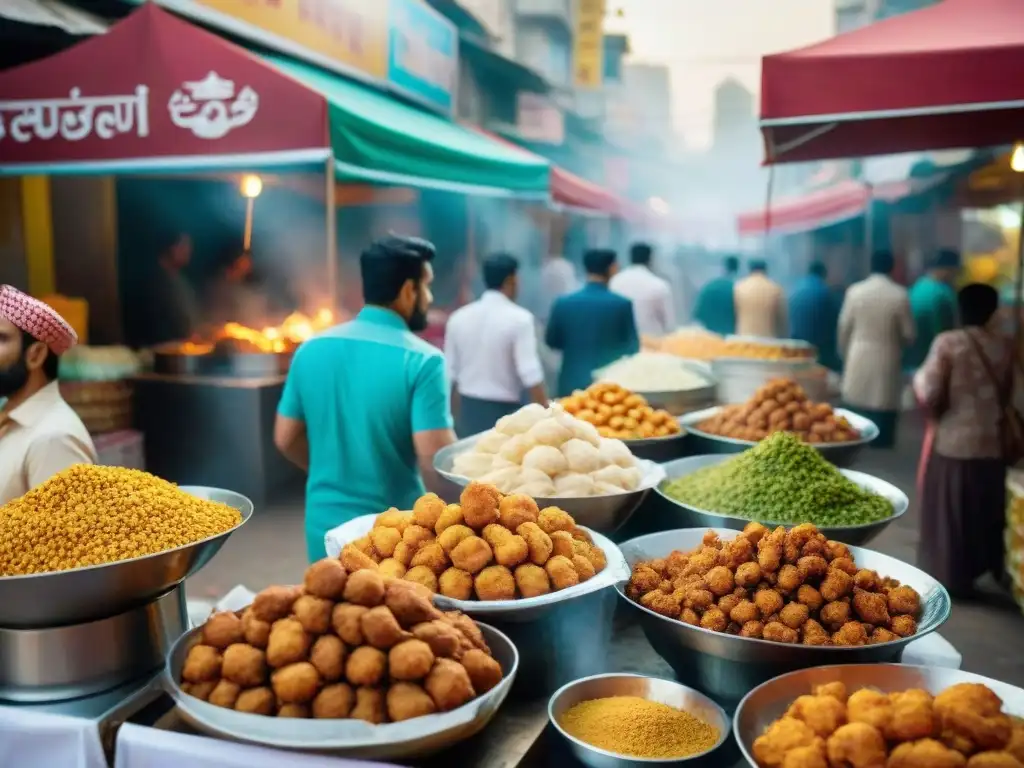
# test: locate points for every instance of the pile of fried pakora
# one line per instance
(791, 586)
(488, 547)
(962, 727)
(346, 644)
(619, 413)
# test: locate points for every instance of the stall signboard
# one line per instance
(588, 44)
(423, 55)
(188, 93)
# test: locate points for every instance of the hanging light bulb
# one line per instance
(251, 186)
(1017, 158)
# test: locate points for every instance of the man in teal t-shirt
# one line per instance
(934, 305)
(367, 403)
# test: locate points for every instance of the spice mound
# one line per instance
(780, 480)
(629, 725)
(90, 515)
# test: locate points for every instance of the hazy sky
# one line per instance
(706, 41)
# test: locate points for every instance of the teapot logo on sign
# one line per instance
(210, 109)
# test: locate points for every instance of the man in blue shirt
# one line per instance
(715, 309)
(591, 327)
(367, 403)
(814, 315)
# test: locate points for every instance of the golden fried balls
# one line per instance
(619, 413)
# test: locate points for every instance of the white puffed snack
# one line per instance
(549, 432)
(516, 447)
(615, 452)
(503, 479)
(606, 489)
(547, 459)
(531, 475)
(634, 476)
(582, 456)
(472, 465)
(612, 475)
(519, 422)
(573, 484)
(585, 431)
(490, 442)
(537, 489)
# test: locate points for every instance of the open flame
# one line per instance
(292, 331)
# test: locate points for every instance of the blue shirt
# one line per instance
(363, 389)
(591, 328)
(934, 306)
(715, 309)
(814, 318)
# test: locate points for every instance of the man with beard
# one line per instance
(367, 403)
(39, 433)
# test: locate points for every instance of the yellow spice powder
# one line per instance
(629, 725)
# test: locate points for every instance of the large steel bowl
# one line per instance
(686, 516)
(418, 737)
(677, 401)
(769, 701)
(604, 514)
(840, 454)
(661, 449)
(726, 667)
(44, 600)
(651, 688)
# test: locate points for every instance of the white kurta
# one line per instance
(760, 307)
(651, 295)
(875, 326)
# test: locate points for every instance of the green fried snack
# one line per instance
(780, 480)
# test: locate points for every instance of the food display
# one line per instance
(618, 413)
(964, 726)
(549, 453)
(637, 727)
(784, 586)
(781, 405)
(652, 372)
(701, 345)
(93, 515)
(487, 547)
(780, 480)
(347, 644)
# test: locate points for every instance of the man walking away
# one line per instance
(653, 308)
(814, 315)
(491, 347)
(760, 304)
(591, 327)
(933, 303)
(716, 309)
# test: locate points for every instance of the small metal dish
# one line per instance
(650, 688)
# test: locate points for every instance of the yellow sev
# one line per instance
(630, 725)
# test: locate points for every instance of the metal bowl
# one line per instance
(650, 688)
(726, 667)
(604, 514)
(686, 516)
(678, 401)
(840, 454)
(43, 600)
(660, 449)
(769, 701)
(418, 737)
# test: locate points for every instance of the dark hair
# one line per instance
(732, 265)
(386, 264)
(882, 262)
(758, 265)
(599, 261)
(818, 269)
(978, 302)
(947, 258)
(51, 365)
(498, 268)
(641, 253)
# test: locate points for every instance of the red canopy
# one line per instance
(939, 78)
(811, 211)
(152, 93)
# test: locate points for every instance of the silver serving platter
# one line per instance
(686, 516)
(418, 737)
(769, 701)
(840, 454)
(604, 514)
(44, 600)
(651, 688)
(726, 667)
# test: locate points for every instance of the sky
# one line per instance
(706, 41)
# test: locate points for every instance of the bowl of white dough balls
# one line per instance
(549, 454)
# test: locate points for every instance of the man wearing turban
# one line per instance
(39, 433)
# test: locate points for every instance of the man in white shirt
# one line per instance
(491, 348)
(557, 278)
(39, 433)
(651, 295)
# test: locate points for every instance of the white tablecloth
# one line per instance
(141, 747)
(32, 738)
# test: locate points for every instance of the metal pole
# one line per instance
(1018, 287)
(250, 203)
(331, 236)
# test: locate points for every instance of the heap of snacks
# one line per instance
(652, 372)
(630, 725)
(780, 480)
(1014, 534)
(346, 644)
(488, 547)
(618, 413)
(787, 587)
(548, 453)
(91, 515)
(707, 346)
(781, 405)
(962, 727)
